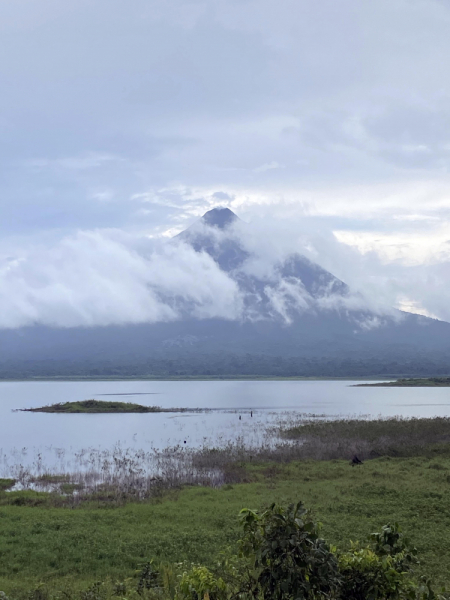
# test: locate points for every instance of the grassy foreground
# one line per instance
(63, 548)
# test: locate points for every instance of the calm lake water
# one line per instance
(269, 401)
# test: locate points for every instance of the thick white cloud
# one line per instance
(109, 277)
(93, 279)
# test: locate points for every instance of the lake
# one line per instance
(24, 435)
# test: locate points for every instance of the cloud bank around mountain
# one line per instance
(96, 279)
(108, 277)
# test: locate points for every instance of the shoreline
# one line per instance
(192, 378)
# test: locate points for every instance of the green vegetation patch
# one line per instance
(41, 543)
(6, 484)
(426, 382)
(52, 540)
(103, 406)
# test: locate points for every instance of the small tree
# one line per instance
(286, 557)
(367, 576)
(199, 584)
(390, 541)
(381, 572)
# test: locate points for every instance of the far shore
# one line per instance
(410, 382)
(194, 378)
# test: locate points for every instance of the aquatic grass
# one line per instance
(121, 475)
(370, 438)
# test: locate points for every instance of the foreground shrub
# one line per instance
(365, 575)
(383, 571)
(390, 541)
(286, 557)
(200, 583)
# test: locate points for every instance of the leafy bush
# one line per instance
(286, 557)
(391, 542)
(148, 578)
(199, 584)
(366, 575)
(287, 560)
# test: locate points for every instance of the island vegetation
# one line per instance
(423, 382)
(104, 406)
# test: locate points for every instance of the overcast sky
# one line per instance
(127, 119)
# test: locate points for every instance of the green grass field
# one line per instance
(62, 547)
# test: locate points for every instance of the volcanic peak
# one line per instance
(219, 217)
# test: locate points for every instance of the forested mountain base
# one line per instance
(230, 365)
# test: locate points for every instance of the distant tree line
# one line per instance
(231, 365)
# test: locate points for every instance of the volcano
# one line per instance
(297, 319)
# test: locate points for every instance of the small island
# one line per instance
(425, 382)
(104, 406)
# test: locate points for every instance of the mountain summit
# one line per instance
(219, 217)
(202, 236)
(294, 281)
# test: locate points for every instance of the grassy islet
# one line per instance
(103, 406)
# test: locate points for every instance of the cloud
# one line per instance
(378, 282)
(268, 167)
(94, 279)
(289, 298)
(346, 98)
(77, 163)
(110, 277)
(106, 277)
